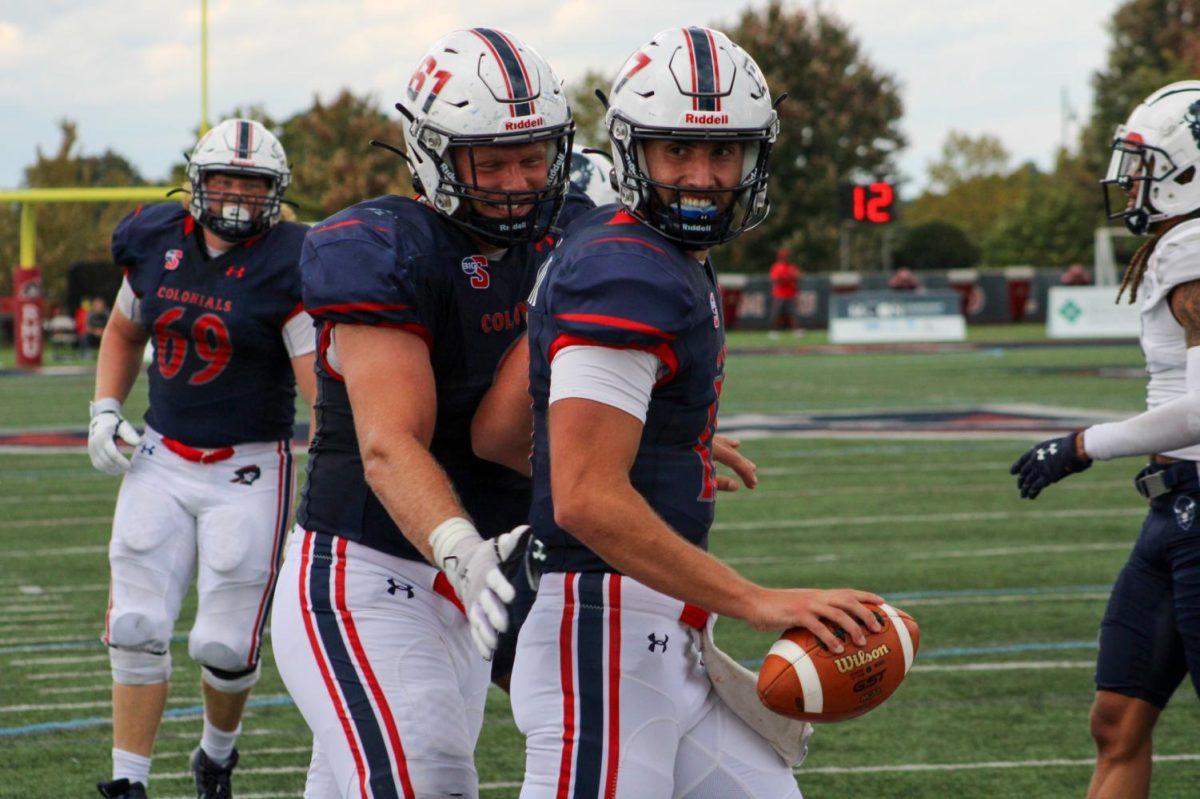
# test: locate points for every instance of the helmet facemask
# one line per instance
(689, 221)
(237, 216)
(459, 197)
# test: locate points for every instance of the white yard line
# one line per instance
(64, 675)
(55, 661)
(1007, 665)
(914, 518)
(992, 764)
(24, 524)
(52, 552)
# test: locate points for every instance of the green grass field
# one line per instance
(1008, 593)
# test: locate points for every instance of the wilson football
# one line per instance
(802, 679)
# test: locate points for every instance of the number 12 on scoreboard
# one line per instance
(872, 203)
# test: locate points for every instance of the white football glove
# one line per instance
(473, 566)
(108, 423)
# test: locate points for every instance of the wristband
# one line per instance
(449, 536)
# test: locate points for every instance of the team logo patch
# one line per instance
(405, 588)
(712, 304)
(246, 475)
(476, 268)
(171, 259)
(1192, 117)
(1185, 512)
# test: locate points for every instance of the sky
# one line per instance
(127, 71)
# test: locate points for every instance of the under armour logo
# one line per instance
(246, 475)
(147, 449)
(236, 271)
(539, 550)
(394, 586)
(1051, 450)
(656, 642)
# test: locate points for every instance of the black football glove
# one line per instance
(1046, 463)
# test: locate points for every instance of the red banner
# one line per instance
(27, 316)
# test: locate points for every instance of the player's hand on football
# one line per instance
(817, 609)
(1048, 462)
(725, 452)
(106, 426)
(474, 567)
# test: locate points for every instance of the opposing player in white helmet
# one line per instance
(216, 286)
(1150, 635)
(418, 301)
(627, 355)
(591, 173)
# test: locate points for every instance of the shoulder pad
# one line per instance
(1177, 255)
(620, 291)
(130, 237)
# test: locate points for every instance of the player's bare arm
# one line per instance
(503, 423)
(120, 356)
(1185, 306)
(306, 384)
(592, 447)
(395, 427)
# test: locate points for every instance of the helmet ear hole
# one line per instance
(1186, 176)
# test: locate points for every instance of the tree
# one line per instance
(965, 158)
(1154, 42)
(936, 245)
(841, 120)
(588, 111)
(68, 232)
(333, 162)
(1051, 225)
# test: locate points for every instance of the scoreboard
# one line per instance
(869, 203)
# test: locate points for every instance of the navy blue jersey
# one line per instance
(221, 374)
(615, 282)
(395, 262)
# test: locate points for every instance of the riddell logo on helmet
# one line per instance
(524, 123)
(706, 119)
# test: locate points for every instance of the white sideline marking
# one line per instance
(991, 552)
(67, 589)
(81, 689)
(22, 524)
(994, 764)
(1007, 665)
(54, 661)
(1004, 598)
(279, 750)
(903, 518)
(52, 552)
(64, 615)
(181, 700)
(64, 675)
(42, 639)
(928, 488)
(21, 499)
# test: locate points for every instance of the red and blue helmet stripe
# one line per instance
(706, 74)
(512, 67)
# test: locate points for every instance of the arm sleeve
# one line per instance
(620, 378)
(1172, 425)
(299, 337)
(351, 272)
(128, 303)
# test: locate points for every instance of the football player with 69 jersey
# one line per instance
(627, 351)
(418, 301)
(216, 286)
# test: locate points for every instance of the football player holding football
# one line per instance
(627, 352)
(417, 302)
(216, 287)
(1150, 634)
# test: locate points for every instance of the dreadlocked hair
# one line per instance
(1137, 269)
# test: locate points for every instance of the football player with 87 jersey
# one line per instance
(216, 287)
(418, 302)
(627, 352)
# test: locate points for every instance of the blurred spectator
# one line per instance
(97, 318)
(1076, 275)
(80, 316)
(903, 280)
(785, 279)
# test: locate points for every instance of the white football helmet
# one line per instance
(238, 147)
(591, 173)
(483, 86)
(1156, 154)
(692, 84)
